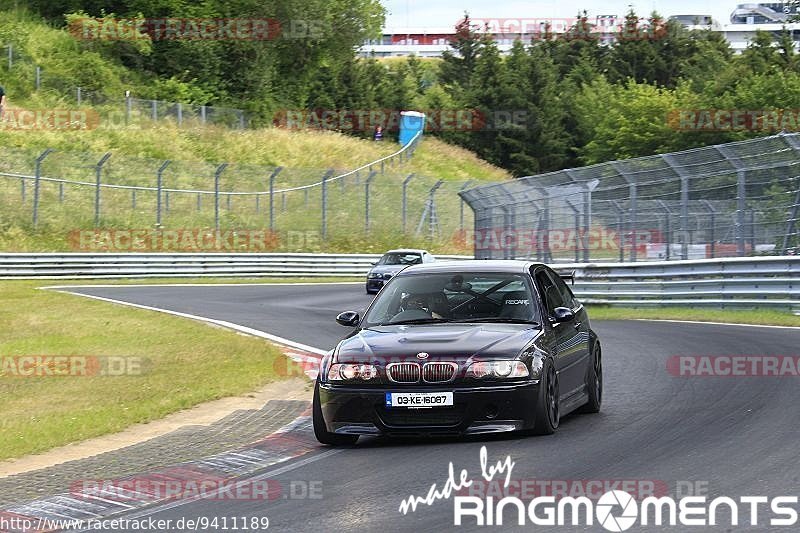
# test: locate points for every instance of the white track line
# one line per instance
(223, 323)
(117, 286)
(713, 323)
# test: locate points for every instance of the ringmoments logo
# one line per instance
(615, 510)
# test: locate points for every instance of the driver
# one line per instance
(418, 302)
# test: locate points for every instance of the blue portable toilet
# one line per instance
(411, 123)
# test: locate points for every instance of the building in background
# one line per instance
(431, 42)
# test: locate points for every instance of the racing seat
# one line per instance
(439, 304)
(516, 304)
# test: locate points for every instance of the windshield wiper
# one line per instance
(504, 320)
(415, 321)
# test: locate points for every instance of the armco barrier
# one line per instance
(165, 265)
(740, 282)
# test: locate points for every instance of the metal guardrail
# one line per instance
(738, 282)
(168, 265)
(729, 283)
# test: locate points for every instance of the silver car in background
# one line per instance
(393, 262)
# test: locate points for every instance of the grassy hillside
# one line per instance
(141, 147)
(252, 156)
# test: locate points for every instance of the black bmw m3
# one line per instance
(458, 348)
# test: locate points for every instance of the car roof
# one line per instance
(472, 265)
(406, 251)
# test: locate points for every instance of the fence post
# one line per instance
(203, 114)
(38, 77)
(159, 186)
(133, 198)
(577, 216)
(366, 200)
(587, 216)
(325, 177)
(272, 197)
(199, 202)
(61, 192)
(98, 173)
(430, 212)
(461, 214)
(712, 213)
(667, 228)
(217, 174)
(544, 224)
(405, 199)
(620, 231)
(741, 205)
(180, 114)
(791, 222)
(127, 109)
(78, 91)
(153, 110)
(37, 175)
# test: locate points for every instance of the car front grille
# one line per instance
(403, 372)
(438, 372)
(422, 417)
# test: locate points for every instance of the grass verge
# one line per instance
(184, 363)
(764, 317)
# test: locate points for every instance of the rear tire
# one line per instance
(594, 383)
(320, 431)
(547, 405)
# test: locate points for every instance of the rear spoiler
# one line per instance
(570, 276)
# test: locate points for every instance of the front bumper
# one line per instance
(374, 284)
(482, 409)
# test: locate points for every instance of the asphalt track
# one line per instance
(736, 436)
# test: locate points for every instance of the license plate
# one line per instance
(418, 400)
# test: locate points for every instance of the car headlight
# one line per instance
(388, 276)
(351, 372)
(373, 275)
(497, 370)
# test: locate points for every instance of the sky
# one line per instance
(438, 13)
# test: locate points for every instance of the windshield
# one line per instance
(453, 297)
(400, 259)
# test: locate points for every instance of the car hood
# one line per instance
(451, 342)
(387, 269)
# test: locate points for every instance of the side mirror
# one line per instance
(374, 263)
(348, 318)
(563, 314)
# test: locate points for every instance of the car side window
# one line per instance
(567, 298)
(549, 291)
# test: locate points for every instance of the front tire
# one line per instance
(594, 383)
(320, 431)
(547, 404)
